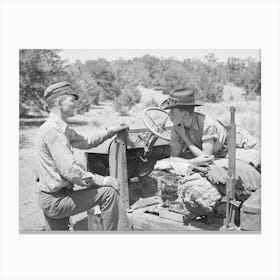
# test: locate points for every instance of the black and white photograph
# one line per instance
(140, 140)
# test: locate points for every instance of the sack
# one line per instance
(248, 179)
(198, 195)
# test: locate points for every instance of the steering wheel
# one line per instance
(155, 119)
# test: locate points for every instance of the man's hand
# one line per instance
(110, 181)
(203, 159)
(117, 128)
(88, 179)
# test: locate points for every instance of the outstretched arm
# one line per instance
(81, 141)
(64, 160)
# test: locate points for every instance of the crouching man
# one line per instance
(203, 136)
(59, 171)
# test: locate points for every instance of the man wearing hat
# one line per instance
(201, 135)
(59, 171)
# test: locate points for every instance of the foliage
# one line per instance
(100, 80)
(85, 86)
(37, 70)
(128, 98)
(130, 72)
(100, 71)
(246, 74)
(174, 76)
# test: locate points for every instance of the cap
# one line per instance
(59, 89)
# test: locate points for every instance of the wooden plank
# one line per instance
(149, 222)
(172, 216)
(144, 202)
(118, 165)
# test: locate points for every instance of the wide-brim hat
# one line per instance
(181, 97)
(59, 89)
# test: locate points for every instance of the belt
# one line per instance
(59, 192)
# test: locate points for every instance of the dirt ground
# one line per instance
(30, 216)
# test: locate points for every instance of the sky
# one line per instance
(222, 55)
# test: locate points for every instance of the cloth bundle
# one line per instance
(248, 179)
(174, 165)
(251, 156)
(247, 147)
(198, 195)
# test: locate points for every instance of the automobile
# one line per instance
(130, 157)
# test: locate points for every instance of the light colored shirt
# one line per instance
(56, 165)
(202, 128)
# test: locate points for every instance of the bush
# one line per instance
(104, 80)
(173, 77)
(85, 86)
(23, 111)
(128, 98)
(38, 68)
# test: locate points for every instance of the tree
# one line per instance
(235, 67)
(38, 69)
(129, 72)
(209, 82)
(84, 85)
(128, 98)
(101, 71)
(252, 77)
(117, 80)
(175, 76)
(151, 64)
(246, 74)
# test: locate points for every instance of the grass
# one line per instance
(248, 114)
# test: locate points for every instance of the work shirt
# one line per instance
(56, 164)
(202, 128)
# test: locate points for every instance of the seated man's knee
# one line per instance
(110, 192)
(109, 197)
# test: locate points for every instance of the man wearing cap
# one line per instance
(203, 136)
(59, 171)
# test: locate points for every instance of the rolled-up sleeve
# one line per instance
(210, 133)
(81, 141)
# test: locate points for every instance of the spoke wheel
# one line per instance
(155, 119)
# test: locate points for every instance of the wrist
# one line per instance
(194, 160)
(98, 180)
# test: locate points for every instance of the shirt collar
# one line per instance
(61, 124)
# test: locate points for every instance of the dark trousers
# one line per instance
(59, 206)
